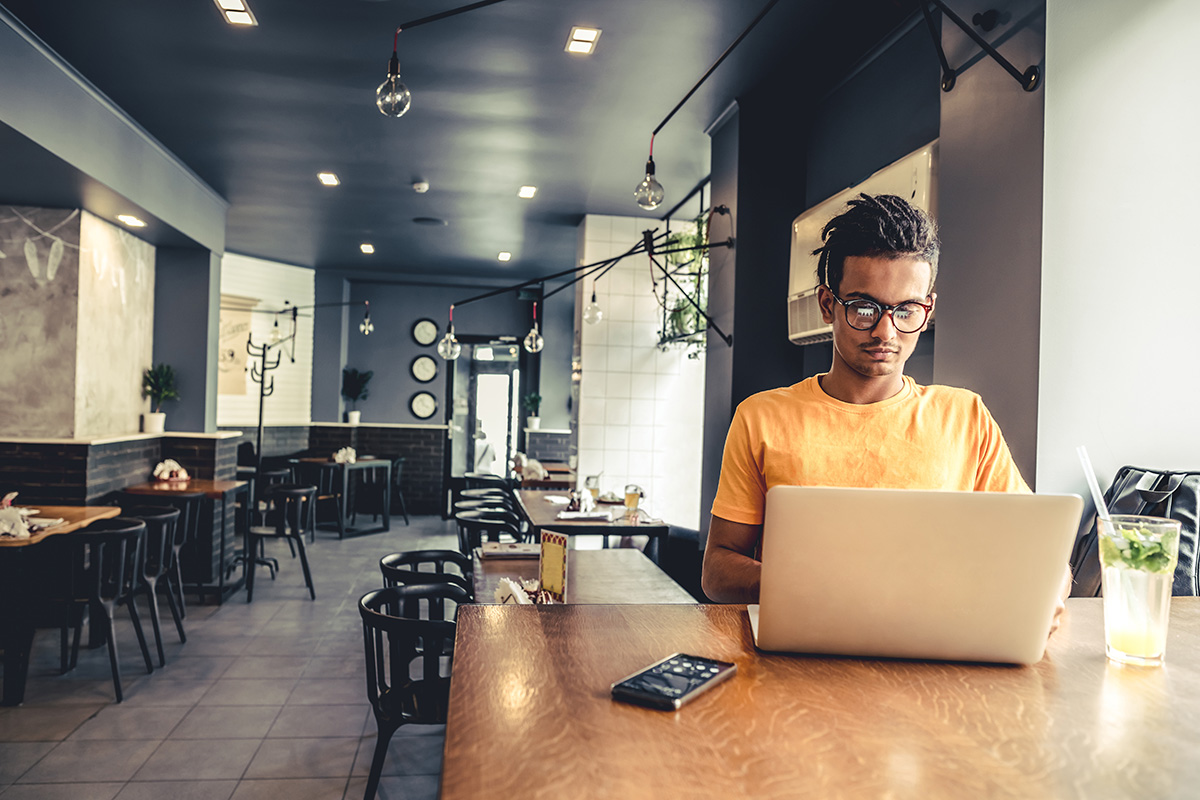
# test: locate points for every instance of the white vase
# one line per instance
(533, 423)
(353, 417)
(154, 422)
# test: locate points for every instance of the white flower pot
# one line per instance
(154, 422)
(533, 423)
(353, 417)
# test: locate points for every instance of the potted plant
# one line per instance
(354, 388)
(533, 402)
(158, 384)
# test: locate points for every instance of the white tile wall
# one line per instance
(641, 410)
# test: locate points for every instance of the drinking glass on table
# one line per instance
(1138, 555)
(592, 484)
(633, 495)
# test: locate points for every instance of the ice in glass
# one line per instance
(1138, 555)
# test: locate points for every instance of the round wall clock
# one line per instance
(424, 369)
(424, 332)
(423, 405)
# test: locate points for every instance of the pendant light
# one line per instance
(592, 313)
(366, 327)
(449, 348)
(534, 341)
(392, 97)
(649, 193)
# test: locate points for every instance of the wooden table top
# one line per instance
(620, 575)
(554, 467)
(211, 488)
(74, 518)
(530, 714)
(542, 513)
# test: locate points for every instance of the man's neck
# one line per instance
(850, 387)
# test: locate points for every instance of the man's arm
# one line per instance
(731, 573)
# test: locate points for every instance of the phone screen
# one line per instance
(673, 681)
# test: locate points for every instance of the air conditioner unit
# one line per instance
(913, 177)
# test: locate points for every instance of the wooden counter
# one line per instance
(621, 575)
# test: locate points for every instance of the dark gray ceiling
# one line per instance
(497, 103)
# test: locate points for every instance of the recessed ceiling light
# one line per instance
(236, 12)
(432, 222)
(328, 178)
(367, 248)
(527, 191)
(131, 220)
(505, 256)
(582, 40)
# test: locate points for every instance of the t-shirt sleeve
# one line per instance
(997, 471)
(742, 490)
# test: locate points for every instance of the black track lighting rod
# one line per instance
(1030, 79)
(649, 248)
(452, 12)
(717, 63)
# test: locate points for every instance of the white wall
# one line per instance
(1118, 364)
(272, 283)
(641, 410)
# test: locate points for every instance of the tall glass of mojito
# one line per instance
(1138, 555)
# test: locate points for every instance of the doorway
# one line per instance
(484, 423)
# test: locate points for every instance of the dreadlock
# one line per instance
(879, 226)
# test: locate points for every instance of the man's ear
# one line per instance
(929, 317)
(827, 302)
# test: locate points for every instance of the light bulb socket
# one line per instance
(394, 65)
(650, 166)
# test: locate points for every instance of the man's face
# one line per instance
(881, 351)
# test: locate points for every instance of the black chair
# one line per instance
(396, 637)
(494, 495)
(475, 527)
(293, 512)
(161, 522)
(486, 480)
(186, 530)
(397, 491)
(107, 558)
(402, 569)
(327, 478)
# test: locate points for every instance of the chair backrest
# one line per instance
(112, 556)
(246, 456)
(294, 509)
(474, 526)
(188, 503)
(406, 568)
(162, 524)
(400, 627)
(486, 480)
(492, 495)
(327, 478)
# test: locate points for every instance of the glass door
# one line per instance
(486, 411)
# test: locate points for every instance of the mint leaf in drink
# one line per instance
(1134, 548)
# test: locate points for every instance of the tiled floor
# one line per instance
(266, 700)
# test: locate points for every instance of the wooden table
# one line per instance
(530, 714)
(543, 514)
(347, 469)
(23, 565)
(593, 576)
(201, 573)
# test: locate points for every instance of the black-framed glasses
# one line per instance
(863, 315)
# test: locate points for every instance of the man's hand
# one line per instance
(1061, 608)
(731, 573)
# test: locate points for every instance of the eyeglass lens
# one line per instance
(864, 314)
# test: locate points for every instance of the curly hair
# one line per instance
(880, 226)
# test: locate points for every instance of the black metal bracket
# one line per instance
(1030, 79)
(648, 240)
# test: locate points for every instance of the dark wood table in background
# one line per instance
(530, 714)
(24, 564)
(543, 514)
(621, 575)
(347, 469)
(196, 558)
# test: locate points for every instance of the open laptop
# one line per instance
(963, 576)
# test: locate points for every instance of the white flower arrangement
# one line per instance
(12, 523)
(346, 455)
(170, 470)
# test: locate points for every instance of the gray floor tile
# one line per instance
(343, 666)
(255, 666)
(226, 722)
(164, 691)
(303, 758)
(295, 789)
(17, 757)
(178, 790)
(197, 667)
(131, 722)
(63, 791)
(249, 691)
(273, 644)
(198, 759)
(407, 755)
(43, 723)
(305, 722)
(397, 787)
(328, 691)
(90, 761)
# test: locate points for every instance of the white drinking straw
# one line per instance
(1090, 474)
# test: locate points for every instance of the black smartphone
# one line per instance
(675, 680)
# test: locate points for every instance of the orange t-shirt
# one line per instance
(924, 437)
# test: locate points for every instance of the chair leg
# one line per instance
(64, 651)
(131, 602)
(381, 747)
(114, 662)
(304, 563)
(179, 585)
(251, 563)
(171, 604)
(403, 508)
(152, 598)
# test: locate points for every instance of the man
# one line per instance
(863, 423)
